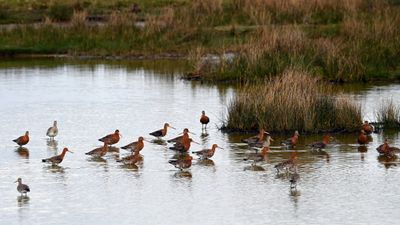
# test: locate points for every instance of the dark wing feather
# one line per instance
(157, 133)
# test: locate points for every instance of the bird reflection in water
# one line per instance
(205, 162)
(55, 168)
(159, 142)
(183, 174)
(294, 197)
(23, 152)
(388, 161)
(362, 149)
(113, 149)
(22, 200)
(52, 144)
(254, 167)
(322, 154)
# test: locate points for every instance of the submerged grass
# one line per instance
(388, 114)
(295, 100)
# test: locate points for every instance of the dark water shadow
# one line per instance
(22, 152)
(55, 168)
(113, 149)
(183, 174)
(205, 162)
(96, 160)
(388, 161)
(254, 168)
(52, 144)
(132, 167)
(23, 200)
(158, 141)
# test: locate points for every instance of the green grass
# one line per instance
(339, 40)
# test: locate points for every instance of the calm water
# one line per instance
(351, 186)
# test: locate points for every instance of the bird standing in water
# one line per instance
(135, 146)
(52, 131)
(320, 145)
(22, 188)
(23, 140)
(99, 152)
(258, 140)
(291, 142)
(55, 160)
(184, 144)
(207, 153)
(162, 132)
(204, 120)
(386, 150)
(111, 138)
(368, 128)
(362, 138)
(179, 138)
(131, 159)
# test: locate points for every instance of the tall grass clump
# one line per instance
(295, 100)
(388, 114)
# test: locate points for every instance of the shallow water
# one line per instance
(90, 100)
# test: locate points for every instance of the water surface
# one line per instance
(345, 184)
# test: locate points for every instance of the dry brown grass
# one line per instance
(294, 101)
(388, 114)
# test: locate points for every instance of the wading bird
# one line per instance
(362, 138)
(131, 159)
(386, 150)
(320, 145)
(207, 153)
(52, 131)
(258, 139)
(111, 138)
(23, 140)
(204, 120)
(162, 132)
(291, 142)
(260, 156)
(22, 188)
(179, 138)
(55, 160)
(184, 144)
(135, 146)
(99, 152)
(368, 128)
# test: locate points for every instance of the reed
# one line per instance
(388, 114)
(295, 100)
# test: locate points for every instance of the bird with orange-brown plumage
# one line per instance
(135, 146)
(207, 153)
(386, 150)
(132, 159)
(204, 120)
(111, 138)
(367, 127)
(291, 142)
(362, 138)
(320, 145)
(162, 132)
(55, 160)
(99, 152)
(22, 140)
